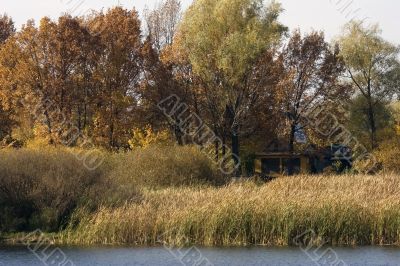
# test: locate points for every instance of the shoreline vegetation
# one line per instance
(117, 206)
(111, 124)
(345, 210)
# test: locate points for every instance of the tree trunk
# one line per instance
(111, 124)
(49, 127)
(223, 144)
(291, 137)
(216, 150)
(84, 116)
(235, 151)
(291, 147)
(79, 118)
(371, 119)
(111, 136)
(178, 133)
(85, 107)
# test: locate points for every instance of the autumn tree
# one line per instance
(70, 49)
(74, 53)
(157, 84)
(67, 76)
(45, 76)
(311, 76)
(6, 28)
(7, 121)
(264, 121)
(162, 22)
(118, 73)
(166, 74)
(86, 50)
(223, 40)
(372, 68)
(20, 78)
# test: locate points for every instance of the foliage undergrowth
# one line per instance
(162, 166)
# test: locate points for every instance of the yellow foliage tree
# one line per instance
(143, 138)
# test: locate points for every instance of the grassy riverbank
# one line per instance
(41, 188)
(177, 195)
(344, 210)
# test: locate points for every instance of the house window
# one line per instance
(271, 166)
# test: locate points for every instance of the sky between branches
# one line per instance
(327, 15)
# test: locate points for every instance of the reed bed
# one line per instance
(340, 210)
(41, 187)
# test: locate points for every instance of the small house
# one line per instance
(273, 164)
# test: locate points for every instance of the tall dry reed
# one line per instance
(339, 209)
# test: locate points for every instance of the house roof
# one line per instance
(279, 154)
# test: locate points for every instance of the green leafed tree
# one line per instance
(359, 119)
(372, 67)
(223, 40)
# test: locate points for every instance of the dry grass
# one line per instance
(159, 166)
(344, 210)
(167, 194)
(41, 187)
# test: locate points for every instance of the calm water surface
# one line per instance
(368, 256)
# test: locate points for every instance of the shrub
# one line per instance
(388, 155)
(40, 188)
(160, 166)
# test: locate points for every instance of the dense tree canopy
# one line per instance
(223, 40)
(99, 79)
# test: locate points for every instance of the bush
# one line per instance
(41, 188)
(388, 155)
(160, 166)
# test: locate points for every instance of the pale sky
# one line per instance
(327, 15)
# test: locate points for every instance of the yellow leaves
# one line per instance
(40, 137)
(395, 113)
(175, 53)
(398, 130)
(388, 153)
(143, 138)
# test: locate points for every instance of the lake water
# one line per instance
(68, 256)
